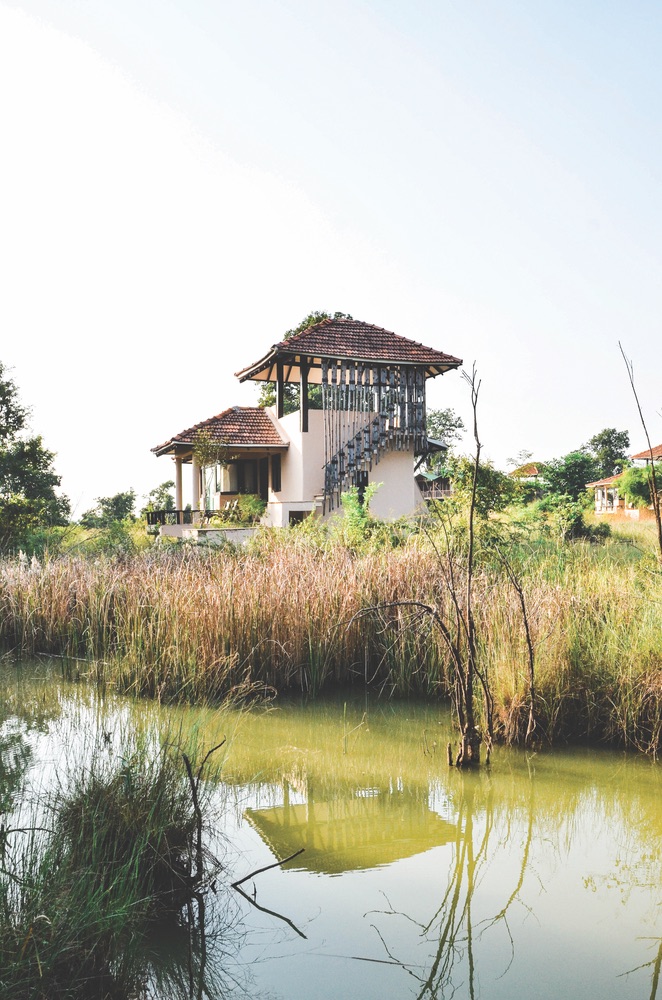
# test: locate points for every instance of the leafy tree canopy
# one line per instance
(13, 416)
(160, 498)
(609, 450)
(28, 500)
(569, 475)
(494, 490)
(442, 425)
(109, 510)
(267, 393)
(636, 482)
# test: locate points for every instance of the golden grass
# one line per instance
(193, 625)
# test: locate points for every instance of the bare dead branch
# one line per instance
(654, 493)
(266, 868)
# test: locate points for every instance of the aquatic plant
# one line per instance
(99, 864)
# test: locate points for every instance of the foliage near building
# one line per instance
(119, 507)
(267, 393)
(636, 485)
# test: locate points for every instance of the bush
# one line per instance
(250, 508)
(494, 490)
(121, 855)
(636, 485)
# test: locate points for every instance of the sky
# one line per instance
(182, 181)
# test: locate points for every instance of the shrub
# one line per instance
(636, 484)
(77, 902)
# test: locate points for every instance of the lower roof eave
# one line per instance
(184, 450)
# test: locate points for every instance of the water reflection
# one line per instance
(540, 877)
(357, 828)
(452, 932)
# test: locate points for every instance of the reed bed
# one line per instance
(97, 867)
(286, 615)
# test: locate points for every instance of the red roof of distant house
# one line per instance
(527, 471)
(239, 426)
(353, 340)
(604, 482)
(657, 453)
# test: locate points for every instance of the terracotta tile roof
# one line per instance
(526, 471)
(604, 482)
(350, 338)
(657, 453)
(239, 426)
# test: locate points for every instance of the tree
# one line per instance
(569, 475)
(442, 425)
(636, 484)
(109, 510)
(655, 489)
(609, 450)
(267, 394)
(481, 484)
(521, 460)
(160, 498)
(28, 500)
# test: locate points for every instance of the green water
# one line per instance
(538, 877)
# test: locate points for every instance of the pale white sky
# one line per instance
(182, 181)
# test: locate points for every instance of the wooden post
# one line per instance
(303, 397)
(280, 390)
(196, 485)
(179, 502)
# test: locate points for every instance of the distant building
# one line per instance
(609, 499)
(645, 456)
(529, 472)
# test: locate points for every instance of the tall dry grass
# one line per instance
(191, 624)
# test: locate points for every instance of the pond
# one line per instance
(538, 876)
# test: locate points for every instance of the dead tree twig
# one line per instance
(654, 493)
(195, 785)
(258, 871)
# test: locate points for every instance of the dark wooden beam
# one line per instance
(303, 396)
(280, 393)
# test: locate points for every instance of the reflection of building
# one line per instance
(364, 829)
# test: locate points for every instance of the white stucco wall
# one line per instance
(302, 474)
(398, 496)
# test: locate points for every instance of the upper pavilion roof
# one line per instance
(345, 340)
(237, 427)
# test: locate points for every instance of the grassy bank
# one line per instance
(191, 624)
(97, 867)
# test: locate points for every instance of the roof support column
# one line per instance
(280, 391)
(303, 397)
(196, 484)
(179, 497)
